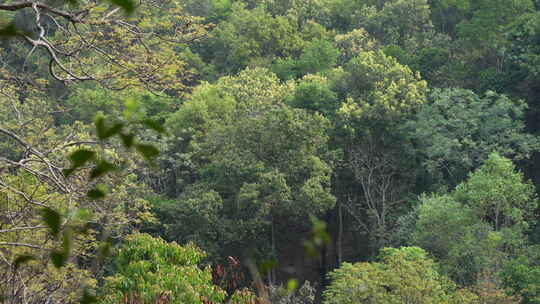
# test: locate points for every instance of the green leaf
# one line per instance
(83, 214)
(88, 298)
(320, 235)
(102, 168)
(25, 258)
(81, 157)
(127, 5)
(132, 106)
(115, 129)
(292, 284)
(310, 249)
(101, 128)
(68, 172)
(154, 125)
(52, 219)
(96, 193)
(58, 258)
(147, 151)
(127, 139)
(82, 217)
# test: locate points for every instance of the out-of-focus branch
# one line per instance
(21, 228)
(15, 6)
(20, 245)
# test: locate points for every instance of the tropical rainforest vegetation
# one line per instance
(270, 151)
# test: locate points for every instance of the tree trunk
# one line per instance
(340, 235)
(272, 271)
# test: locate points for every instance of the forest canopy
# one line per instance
(269, 151)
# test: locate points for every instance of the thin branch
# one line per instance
(75, 18)
(22, 194)
(20, 244)
(17, 138)
(22, 228)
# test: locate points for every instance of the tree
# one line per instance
(314, 93)
(404, 275)
(377, 83)
(498, 194)
(210, 107)
(441, 223)
(484, 42)
(481, 223)
(263, 166)
(317, 56)
(488, 19)
(456, 130)
(251, 38)
(195, 216)
(27, 274)
(397, 21)
(446, 14)
(353, 43)
(150, 270)
(332, 14)
(380, 94)
(213, 11)
(522, 276)
(269, 171)
(524, 63)
(451, 231)
(42, 208)
(94, 41)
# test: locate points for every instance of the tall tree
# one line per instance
(480, 224)
(260, 166)
(95, 41)
(379, 95)
(456, 130)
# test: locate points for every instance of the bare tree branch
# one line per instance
(20, 245)
(15, 6)
(97, 43)
(21, 228)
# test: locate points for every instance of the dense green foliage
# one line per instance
(148, 269)
(231, 151)
(404, 275)
(480, 224)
